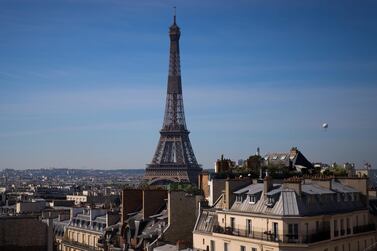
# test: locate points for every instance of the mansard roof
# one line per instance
(313, 200)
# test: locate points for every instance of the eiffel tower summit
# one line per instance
(174, 159)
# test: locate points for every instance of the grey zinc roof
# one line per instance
(314, 200)
(275, 191)
(315, 189)
(342, 188)
(289, 203)
(253, 188)
(250, 189)
(206, 221)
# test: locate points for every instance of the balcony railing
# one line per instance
(364, 228)
(80, 246)
(273, 237)
(260, 235)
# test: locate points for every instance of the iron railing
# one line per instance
(274, 237)
(80, 246)
(364, 228)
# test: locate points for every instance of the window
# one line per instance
(358, 245)
(239, 198)
(271, 201)
(336, 232)
(252, 199)
(212, 245)
(226, 245)
(336, 248)
(248, 227)
(276, 230)
(317, 226)
(232, 222)
(253, 249)
(348, 226)
(292, 232)
(204, 242)
(242, 248)
(342, 232)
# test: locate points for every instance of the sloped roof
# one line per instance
(314, 200)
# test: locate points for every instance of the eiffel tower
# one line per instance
(174, 159)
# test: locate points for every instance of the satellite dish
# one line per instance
(325, 126)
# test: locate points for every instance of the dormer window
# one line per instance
(239, 198)
(252, 199)
(275, 157)
(345, 197)
(271, 201)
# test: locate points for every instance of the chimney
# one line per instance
(293, 183)
(153, 200)
(267, 183)
(323, 181)
(132, 200)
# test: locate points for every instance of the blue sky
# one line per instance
(82, 82)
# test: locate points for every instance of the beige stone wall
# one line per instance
(84, 237)
(78, 198)
(353, 243)
(307, 225)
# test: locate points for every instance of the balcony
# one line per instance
(259, 235)
(79, 246)
(364, 228)
(270, 236)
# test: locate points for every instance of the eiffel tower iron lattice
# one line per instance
(174, 159)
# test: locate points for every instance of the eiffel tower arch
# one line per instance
(174, 159)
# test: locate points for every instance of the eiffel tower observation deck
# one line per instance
(174, 159)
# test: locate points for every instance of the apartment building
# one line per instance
(86, 229)
(318, 213)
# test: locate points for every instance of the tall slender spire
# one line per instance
(174, 159)
(175, 14)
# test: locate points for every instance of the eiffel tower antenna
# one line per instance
(174, 159)
(175, 14)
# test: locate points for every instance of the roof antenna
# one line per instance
(175, 13)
